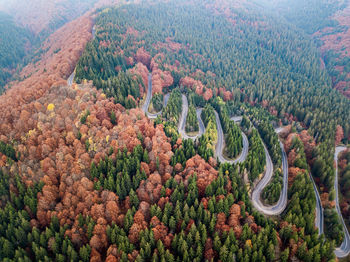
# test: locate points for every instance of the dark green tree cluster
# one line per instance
(121, 87)
(208, 140)
(205, 147)
(12, 47)
(52, 244)
(311, 16)
(245, 123)
(272, 191)
(191, 120)
(322, 167)
(98, 63)
(208, 115)
(233, 135)
(300, 160)
(173, 109)
(256, 160)
(185, 152)
(17, 208)
(333, 228)
(122, 175)
(157, 101)
(21, 242)
(195, 99)
(234, 142)
(8, 150)
(170, 129)
(261, 119)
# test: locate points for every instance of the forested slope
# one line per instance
(45, 17)
(86, 176)
(242, 56)
(25, 26)
(15, 42)
(327, 22)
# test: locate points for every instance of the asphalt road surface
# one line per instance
(236, 118)
(70, 79)
(145, 106)
(220, 144)
(183, 117)
(344, 248)
(149, 95)
(319, 209)
(282, 202)
(93, 32)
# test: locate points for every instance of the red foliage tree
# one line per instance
(339, 135)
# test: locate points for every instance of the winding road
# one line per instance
(182, 120)
(145, 105)
(220, 144)
(279, 207)
(344, 249)
(269, 210)
(182, 125)
(183, 117)
(319, 221)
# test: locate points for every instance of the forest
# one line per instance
(323, 21)
(344, 181)
(321, 112)
(191, 120)
(311, 16)
(86, 176)
(233, 137)
(14, 44)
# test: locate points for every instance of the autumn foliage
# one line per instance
(160, 80)
(18, 103)
(197, 86)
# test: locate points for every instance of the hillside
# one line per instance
(15, 44)
(327, 22)
(39, 16)
(177, 114)
(25, 28)
(335, 47)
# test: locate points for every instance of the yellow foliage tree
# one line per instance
(50, 107)
(249, 243)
